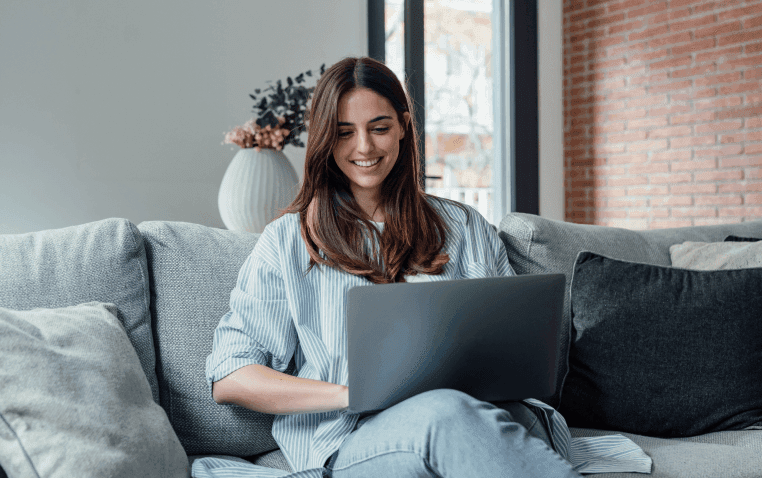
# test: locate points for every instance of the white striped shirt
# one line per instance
(277, 312)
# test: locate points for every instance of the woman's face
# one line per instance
(369, 141)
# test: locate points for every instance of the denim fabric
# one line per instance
(663, 352)
(446, 433)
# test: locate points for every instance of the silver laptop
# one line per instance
(496, 339)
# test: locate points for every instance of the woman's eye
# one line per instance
(381, 130)
(344, 134)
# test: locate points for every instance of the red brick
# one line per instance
(573, 5)
(753, 74)
(651, 55)
(717, 29)
(627, 137)
(648, 32)
(753, 99)
(694, 118)
(743, 37)
(748, 112)
(718, 200)
(671, 155)
(753, 212)
(754, 47)
(647, 122)
(693, 165)
(739, 88)
(718, 103)
(628, 203)
(699, 70)
(647, 146)
(672, 62)
(627, 115)
(740, 12)
(648, 80)
(598, 65)
(632, 93)
(691, 24)
(717, 79)
(754, 149)
(649, 168)
(672, 178)
(628, 158)
(651, 8)
(670, 15)
(692, 212)
(599, 128)
(605, 149)
(673, 201)
(670, 224)
(587, 14)
(741, 161)
(717, 55)
(675, 85)
(668, 110)
(693, 189)
(627, 72)
(712, 127)
(616, 6)
(670, 132)
(693, 46)
(754, 122)
(670, 40)
(692, 141)
(609, 85)
(614, 29)
(753, 199)
(608, 42)
(725, 151)
(647, 101)
(648, 191)
(628, 181)
(600, 21)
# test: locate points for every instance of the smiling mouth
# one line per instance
(366, 164)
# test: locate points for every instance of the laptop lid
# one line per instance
(494, 338)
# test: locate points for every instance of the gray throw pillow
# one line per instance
(707, 256)
(193, 269)
(100, 261)
(663, 352)
(74, 400)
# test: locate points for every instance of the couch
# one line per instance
(75, 296)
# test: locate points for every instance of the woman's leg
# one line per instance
(449, 434)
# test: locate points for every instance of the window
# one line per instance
(465, 54)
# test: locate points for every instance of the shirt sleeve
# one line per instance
(258, 328)
(484, 251)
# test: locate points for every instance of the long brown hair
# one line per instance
(332, 222)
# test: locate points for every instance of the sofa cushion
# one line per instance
(536, 245)
(661, 351)
(100, 261)
(731, 454)
(716, 255)
(193, 269)
(74, 400)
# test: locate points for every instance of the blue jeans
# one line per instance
(446, 433)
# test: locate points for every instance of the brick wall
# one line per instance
(662, 112)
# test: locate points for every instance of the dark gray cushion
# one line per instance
(536, 245)
(193, 269)
(661, 351)
(74, 400)
(101, 261)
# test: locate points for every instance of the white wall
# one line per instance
(550, 44)
(118, 109)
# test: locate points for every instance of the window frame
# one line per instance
(516, 182)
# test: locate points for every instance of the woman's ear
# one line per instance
(406, 123)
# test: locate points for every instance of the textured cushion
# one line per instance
(74, 400)
(193, 269)
(536, 245)
(716, 255)
(732, 454)
(101, 261)
(660, 351)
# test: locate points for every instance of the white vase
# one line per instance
(256, 186)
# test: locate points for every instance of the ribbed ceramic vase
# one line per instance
(256, 186)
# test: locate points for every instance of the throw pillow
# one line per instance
(74, 400)
(716, 255)
(663, 352)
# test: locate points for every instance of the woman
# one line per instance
(361, 218)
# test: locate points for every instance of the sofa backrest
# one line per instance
(102, 261)
(193, 269)
(536, 245)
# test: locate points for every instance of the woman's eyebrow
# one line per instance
(377, 118)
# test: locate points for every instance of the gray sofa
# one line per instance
(170, 285)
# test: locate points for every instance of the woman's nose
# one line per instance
(364, 143)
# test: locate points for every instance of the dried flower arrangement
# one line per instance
(280, 116)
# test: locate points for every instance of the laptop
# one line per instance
(495, 338)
